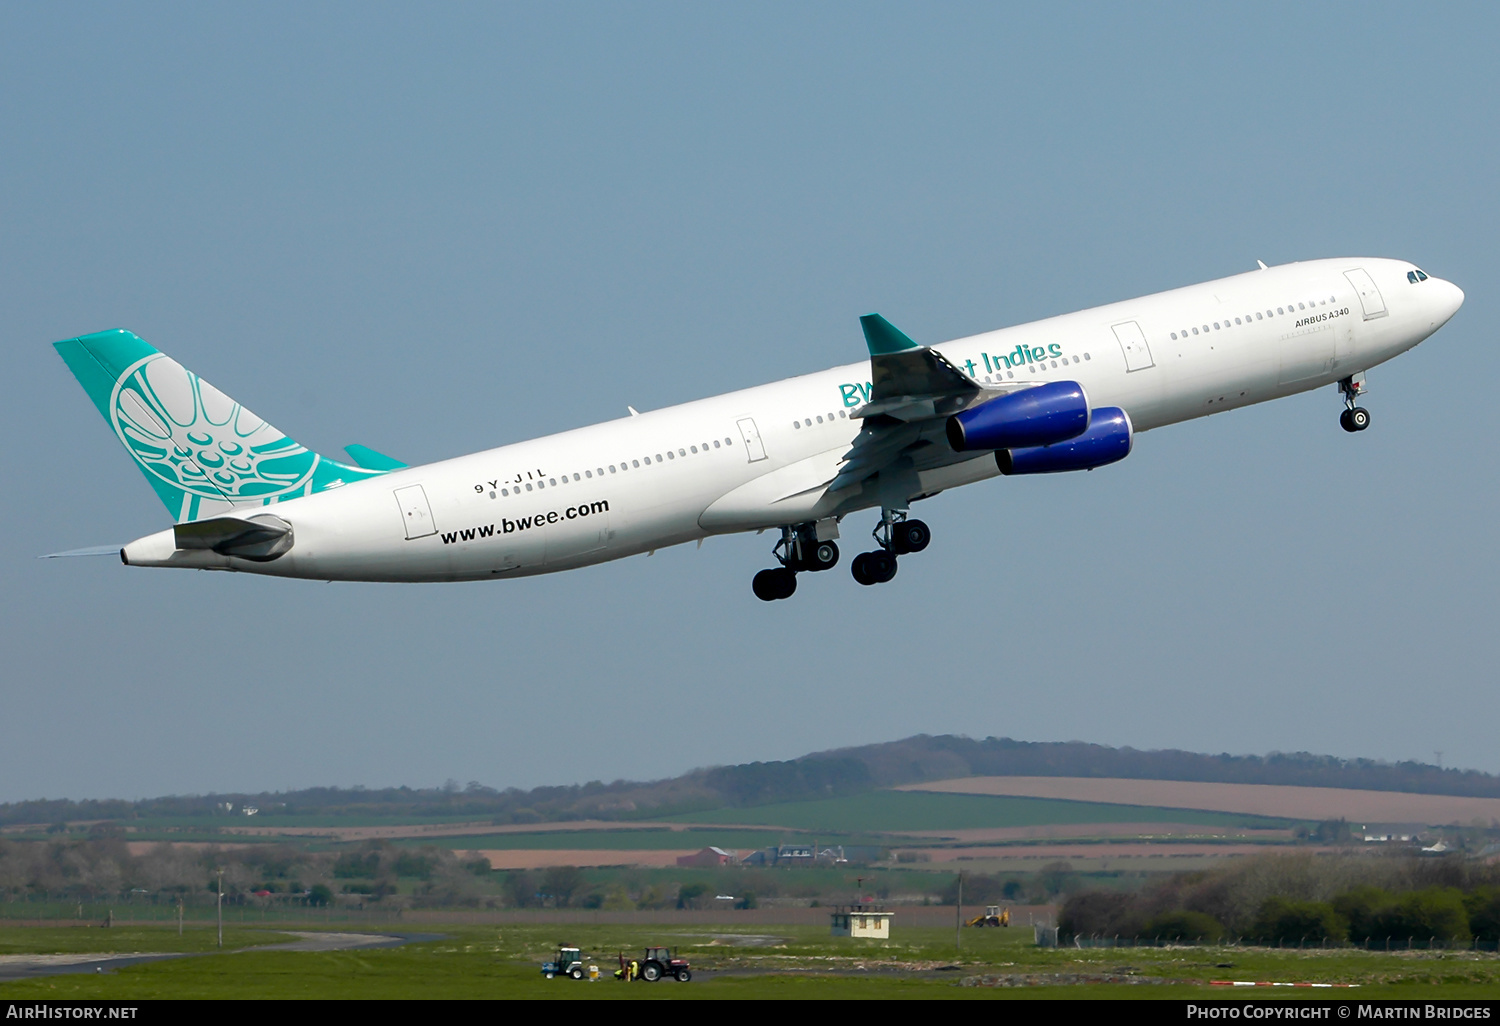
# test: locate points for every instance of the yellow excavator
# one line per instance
(994, 915)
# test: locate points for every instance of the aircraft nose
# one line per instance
(1450, 298)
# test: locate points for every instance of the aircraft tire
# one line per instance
(880, 565)
(821, 556)
(1360, 418)
(860, 568)
(1347, 422)
(767, 585)
(910, 536)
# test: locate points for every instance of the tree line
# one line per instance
(1372, 901)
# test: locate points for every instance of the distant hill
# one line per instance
(837, 773)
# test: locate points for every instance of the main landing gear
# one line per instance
(895, 535)
(1354, 417)
(798, 549)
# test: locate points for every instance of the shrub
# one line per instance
(1183, 925)
(1483, 907)
(1434, 914)
(1361, 909)
(1106, 913)
(319, 895)
(1294, 922)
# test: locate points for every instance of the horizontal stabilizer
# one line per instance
(261, 538)
(371, 460)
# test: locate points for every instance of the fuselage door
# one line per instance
(416, 514)
(1369, 295)
(1133, 344)
(751, 434)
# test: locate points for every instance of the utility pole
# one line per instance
(221, 908)
(957, 917)
(179, 915)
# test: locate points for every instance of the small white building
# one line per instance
(861, 921)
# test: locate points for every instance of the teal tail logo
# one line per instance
(204, 453)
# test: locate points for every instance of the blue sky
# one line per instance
(433, 230)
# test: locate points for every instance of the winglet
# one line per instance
(884, 337)
(372, 460)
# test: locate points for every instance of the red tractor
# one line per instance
(656, 963)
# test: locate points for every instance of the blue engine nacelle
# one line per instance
(1107, 440)
(1041, 415)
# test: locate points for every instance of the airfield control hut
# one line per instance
(859, 920)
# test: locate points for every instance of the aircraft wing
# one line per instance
(914, 389)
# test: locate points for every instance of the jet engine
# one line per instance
(1038, 416)
(1107, 440)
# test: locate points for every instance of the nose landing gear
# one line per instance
(895, 535)
(1354, 417)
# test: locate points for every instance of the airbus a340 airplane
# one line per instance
(799, 456)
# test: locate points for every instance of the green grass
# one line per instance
(49, 940)
(764, 962)
(924, 810)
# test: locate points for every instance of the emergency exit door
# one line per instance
(753, 445)
(416, 514)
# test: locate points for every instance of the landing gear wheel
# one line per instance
(777, 583)
(1359, 418)
(819, 556)
(1345, 423)
(860, 568)
(881, 565)
(909, 536)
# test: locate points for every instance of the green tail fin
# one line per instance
(372, 460)
(882, 337)
(204, 453)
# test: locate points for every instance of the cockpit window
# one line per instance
(1416, 276)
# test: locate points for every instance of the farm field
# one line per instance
(1297, 803)
(772, 961)
(903, 810)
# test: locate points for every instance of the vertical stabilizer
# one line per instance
(204, 453)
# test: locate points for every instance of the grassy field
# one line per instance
(880, 811)
(730, 962)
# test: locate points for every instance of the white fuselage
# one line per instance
(761, 457)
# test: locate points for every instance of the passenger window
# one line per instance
(1010, 374)
(682, 452)
(695, 449)
(505, 491)
(1216, 325)
(575, 477)
(588, 473)
(1174, 336)
(842, 415)
(1086, 356)
(658, 457)
(1237, 320)
(637, 463)
(797, 424)
(1257, 315)
(528, 487)
(554, 481)
(1195, 331)
(716, 443)
(611, 468)
(820, 418)
(727, 441)
(809, 422)
(1280, 310)
(670, 455)
(600, 471)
